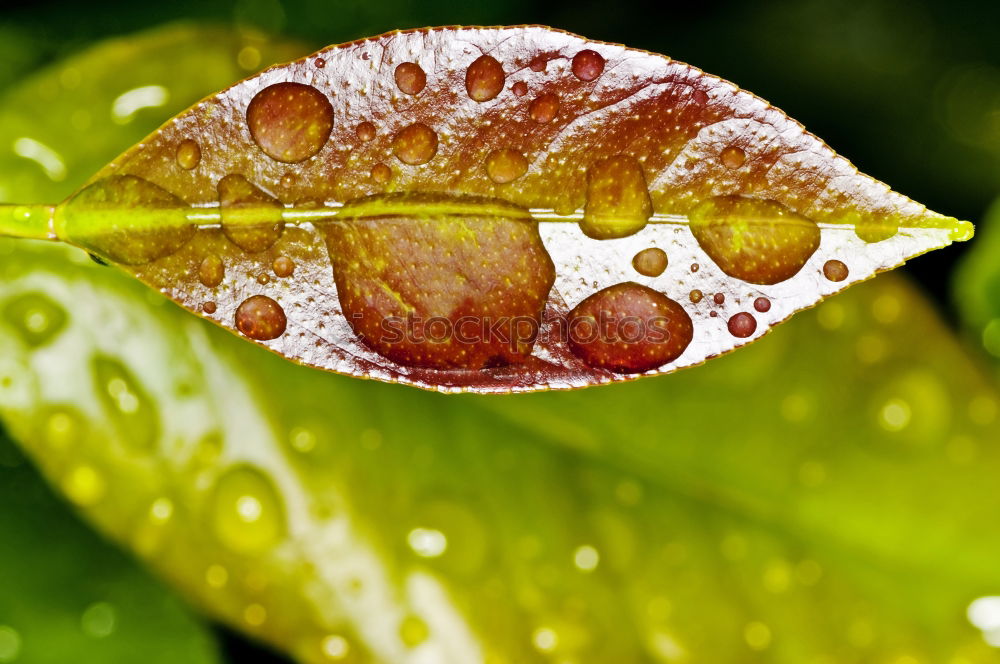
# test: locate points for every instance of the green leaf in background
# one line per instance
(824, 496)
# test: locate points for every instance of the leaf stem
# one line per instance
(33, 222)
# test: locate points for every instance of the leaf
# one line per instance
(465, 209)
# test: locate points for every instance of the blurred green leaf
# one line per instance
(824, 496)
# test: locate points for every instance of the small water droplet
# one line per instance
(319, 63)
(366, 131)
(209, 307)
(762, 304)
(732, 157)
(290, 122)
(505, 165)
(695, 296)
(695, 267)
(288, 180)
(588, 65)
(126, 402)
(618, 202)
(538, 63)
(246, 511)
(211, 271)
(629, 328)
(719, 298)
(544, 108)
(381, 173)
(410, 78)
(520, 89)
(742, 325)
(259, 317)
(484, 79)
(188, 154)
(835, 270)
(650, 262)
(713, 314)
(36, 317)
(251, 218)
(263, 278)
(283, 266)
(416, 144)
(758, 241)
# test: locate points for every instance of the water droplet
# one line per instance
(10, 644)
(629, 328)
(719, 298)
(188, 154)
(695, 296)
(835, 270)
(713, 314)
(544, 108)
(484, 78)
(126, 402)
(335, 647)
(246, 511)
(758, 241)
(762, 304)
(366, 131)
(618, 201)
(381, 173)
(742, 325)
(83, 485)
(158, 224)
(261, 318)
(290, 122)
(410, 78)
(263, 278)
(251, 218)
(427, 542)
(209, 307)
(416, 144)
(586, 558)
(733, 157)
(505, 165)
(588, 65)
(538, 63)
(695, 267)
(520, 89)
(36, 317)
(650, 262)
(283, 266)
(319, 63)
(99, 620)
(211, 271)
(288, 180)
(413, 631)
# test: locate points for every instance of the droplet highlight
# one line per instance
(416, 144)
(588, 65)
(261, 318)
(503, 166)
(618, 202)
(650, 262)
(410, 78)
(290, 122)
(484, 79)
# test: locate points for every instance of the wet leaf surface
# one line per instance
(597, 151)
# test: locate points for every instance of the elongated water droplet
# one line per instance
(544, 108)
(835, 270)
(588, 65)
(742, 325)
(484, 78)
(36, 318)
(410, 78)
(416, 144)
(505, 165)
(290, 122)
(156, 224)
(618, 201)
(188, 154)
(650, 262)
(366, 131)
(283, 266)
(246, 511)
(251, 218)
(758, 241)
(126, 402)
(629, 328)
(261, 318)
(211, 271)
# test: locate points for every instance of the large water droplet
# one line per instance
(505, 165)
(290, 121)
(261, 318)
(742, 325)
(251, 218)
(484, 78)
(247, 514)
(618, 201)
(126, 402)
(283, 266)
(758, 241)
(130, 220)
(835, 270)
(440, 282)
(36, 318)
(410, 78)
(732, 157)
(188, 154)
(416, 144)
(211, 271)
(650, 262)
(544, 108)
(588, 65)
(629, 328)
